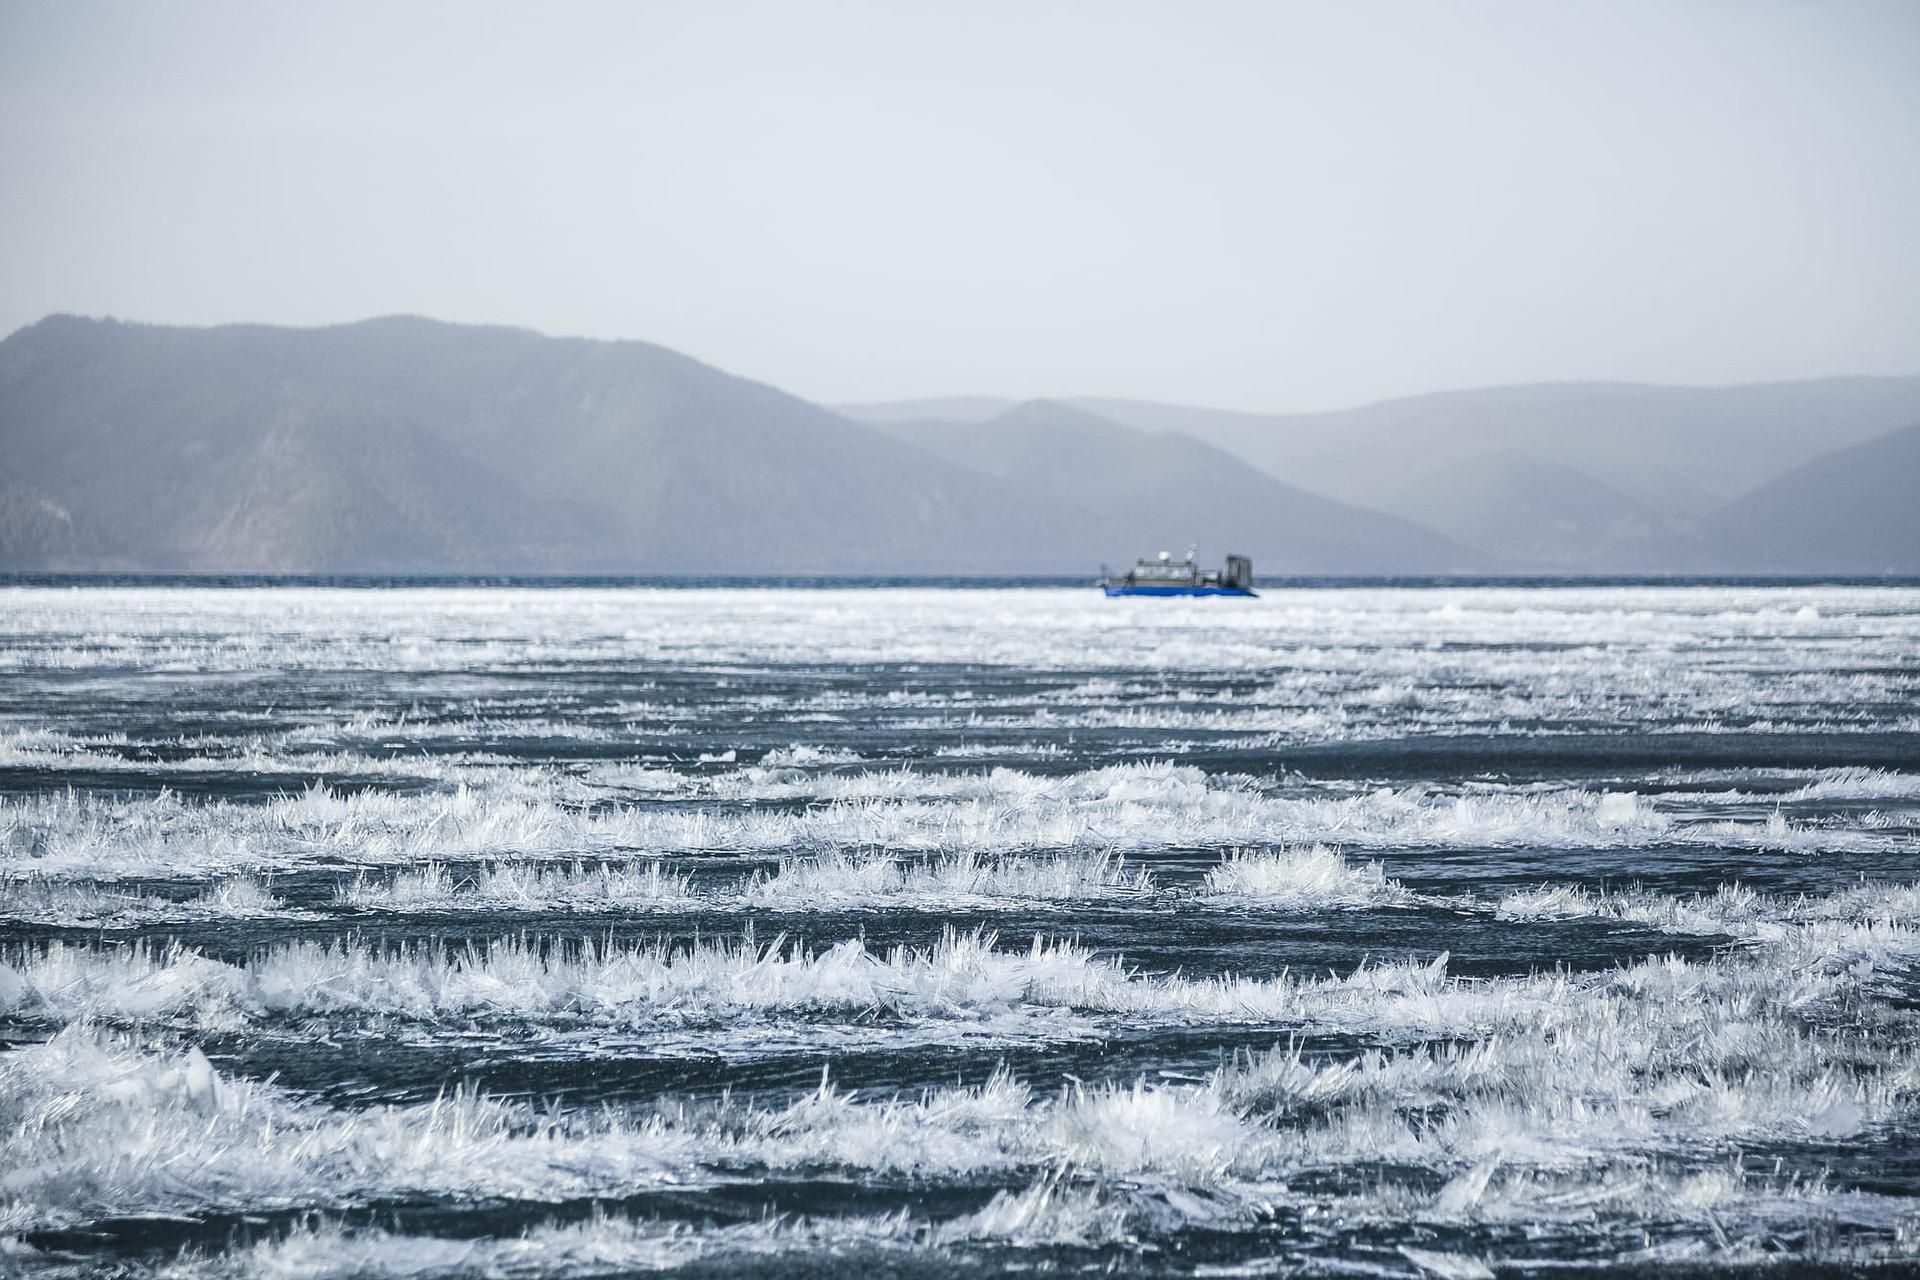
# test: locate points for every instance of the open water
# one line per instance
(1386, 931)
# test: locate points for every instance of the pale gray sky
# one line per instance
(1255, 205)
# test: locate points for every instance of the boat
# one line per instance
(1166, 577)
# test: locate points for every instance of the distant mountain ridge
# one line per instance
(408, 445)
(1570, 477)
(1855, 510)
(1121, 486)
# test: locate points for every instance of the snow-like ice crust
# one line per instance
(1324, 665)
(1452, 1125)
(1597, 1099)
(1116, 808)
(1302, 879)
(965, 975)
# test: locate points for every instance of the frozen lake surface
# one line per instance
(1443, 931)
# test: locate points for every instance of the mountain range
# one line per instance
(403, 445)
(1566, 477)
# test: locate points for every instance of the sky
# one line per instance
(1264, 205)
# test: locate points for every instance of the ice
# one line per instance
(801, 756)
(1803, 957)
(1191, 1134)
(96, 1127)
(838, 879)
(238, 898)
(512, 978)
(1620, 809)
(833, 880)
(1539, 1097)
(1447, 1266)
(601, 1245)
(1564, 1113)
(1648, 655)
(1052, 1211)
(492, 766)
(507, 885)
(88, 904)
(1878, 915)
(1118, 808)
(1302, 879)
(1859, 784)
(33, 898)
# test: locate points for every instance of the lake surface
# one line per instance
(476, 930)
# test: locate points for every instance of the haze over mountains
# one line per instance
(1128, 491)
(1569, 477)
(407, 445)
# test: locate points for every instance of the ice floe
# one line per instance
(1302, 879)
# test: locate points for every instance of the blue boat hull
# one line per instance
(1178, 591)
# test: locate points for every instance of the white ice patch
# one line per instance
(287, 762)
(507, 886)
(1858, 784)
(1567, 1113)
(801, 756)
(1302, 879)
(836, 880)
(33, 899)
(1601, 1109)
(96, 1128)
(1551, 1097)
(600, 1245)
(1806, 956)
(1878, 917)
(1053, 1211)
(1285, 880)
(868, 881)
(1123, 808)
(963, 976)
(1359, 663)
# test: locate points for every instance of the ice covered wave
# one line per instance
(1587, 1102)
(1316, 878)
(53, 750)
(1732, 910)
(1862, 935)
(962, 976)
(1302, 879)
(1648, 652)
(601, 1245)
(1288, 880)
(518, 884)
(99, 1127)
(796, 773)
(837, 879)
(1604, 1103)
(30, 899)
(1123, 807)
(841, 879)
(1858, 784)
(617, 1245)
(1055, 1211)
